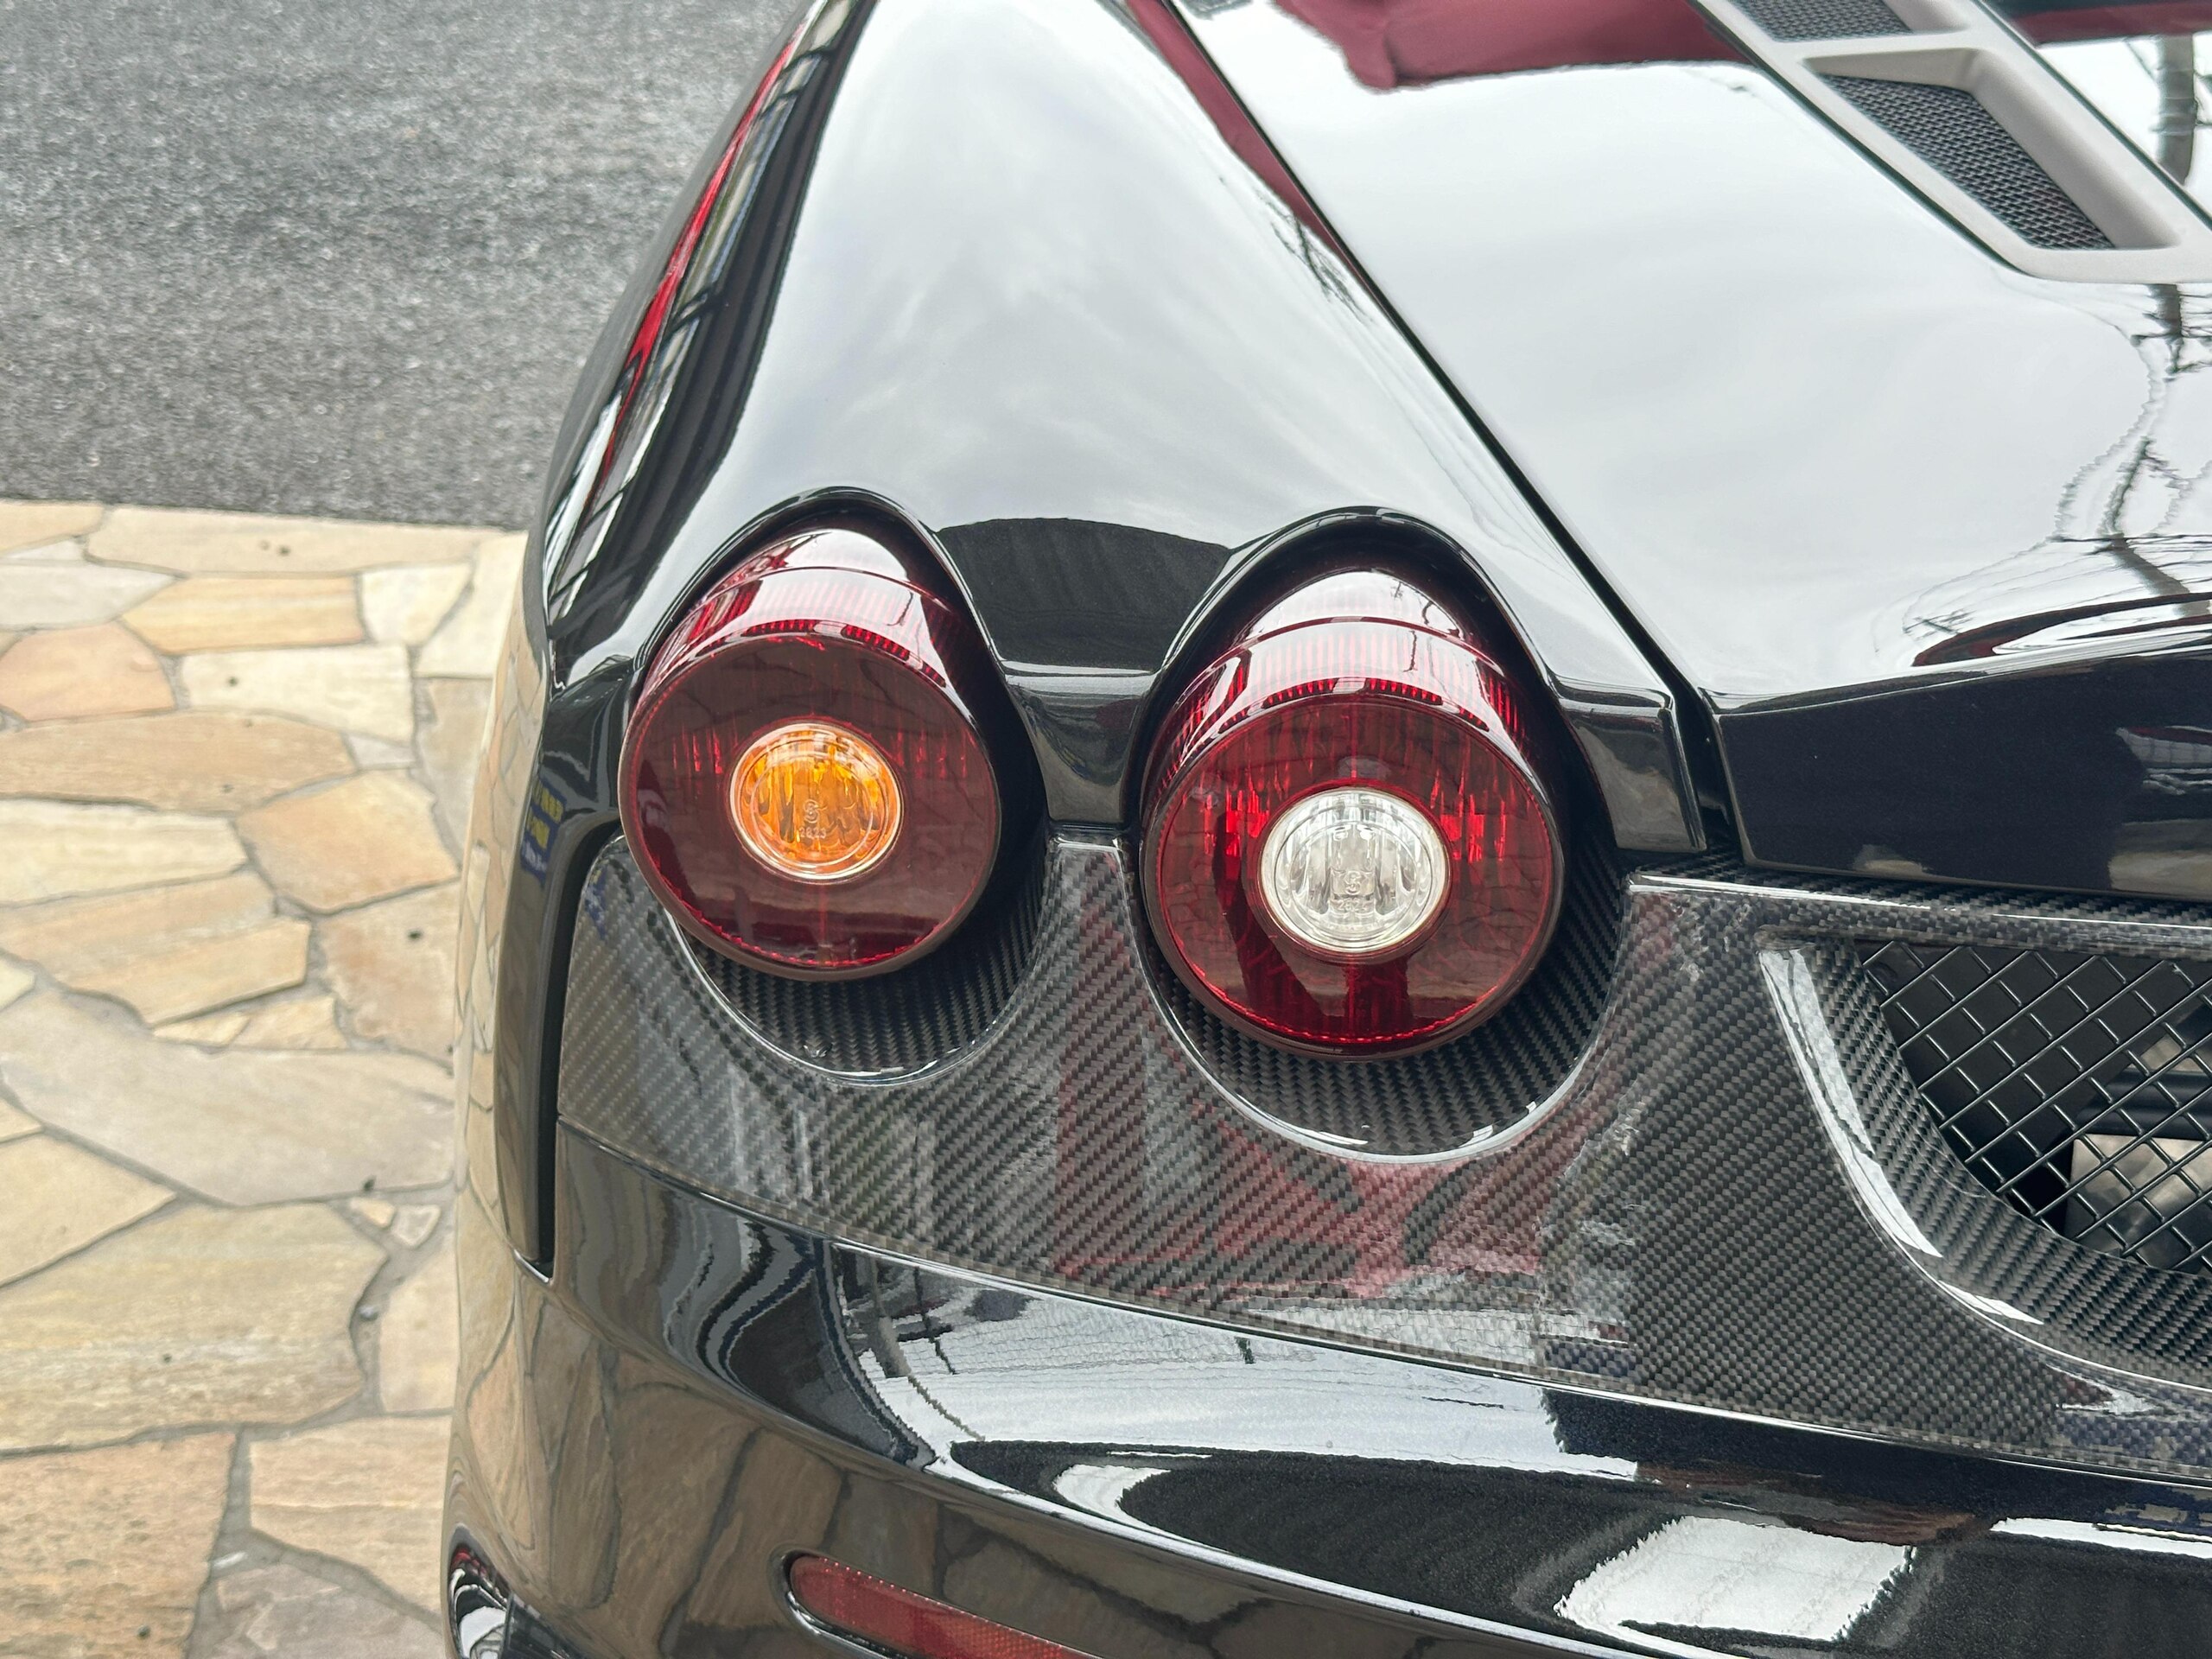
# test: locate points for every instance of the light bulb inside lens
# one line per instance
(815, 802)
(1352, 872)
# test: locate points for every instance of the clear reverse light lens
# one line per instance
(1352, 872)
(1349, 847)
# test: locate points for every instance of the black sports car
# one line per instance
(1367, 828)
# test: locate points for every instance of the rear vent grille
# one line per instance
(1967, 115)
(1823, 20)
(2076, 1088)
(1951, 130)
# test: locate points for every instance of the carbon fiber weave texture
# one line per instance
(1441, 1099)
(1676, 1222)
(902, 1022)
(2151, 1323)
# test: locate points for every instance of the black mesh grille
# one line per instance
(2077, 1088)
(1823, 20)
(1950, 130)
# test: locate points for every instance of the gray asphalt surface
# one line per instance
(305, 256)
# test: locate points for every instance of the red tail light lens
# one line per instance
(803, 781)
(1349, 847)
(853, 1602)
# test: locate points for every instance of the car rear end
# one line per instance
(1147, 971)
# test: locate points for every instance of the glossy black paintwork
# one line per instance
(692, 1392)
(700, 1391)
(638, 1460)
(1012, 277)
(559, 791)
(1012, 284)
(1825, 449)
(2030, 779)
(572, 807)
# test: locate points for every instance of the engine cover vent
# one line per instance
(1946, 96)
(2077, 1088)
(1824, 20)
(1954, 132)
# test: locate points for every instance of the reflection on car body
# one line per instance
(1376, 829)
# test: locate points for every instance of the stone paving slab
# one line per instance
(39, 592)
(103, 1553)
(263, 1611)
(384, 817)
(241, 1128)
(75, 673)
(39, 524)
(228, 613)
(353, 689)
(350, 1491)
(64, 1199)
(202, 1316)
(58, 848)
(169, 952)
(164, 538)
(235, 755)
(182, 763)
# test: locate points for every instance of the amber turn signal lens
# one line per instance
(815, 802)
(805, 783)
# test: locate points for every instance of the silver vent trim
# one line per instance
(2157, 233)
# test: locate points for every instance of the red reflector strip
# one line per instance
(853, 1603)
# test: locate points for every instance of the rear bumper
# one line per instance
(699, 1393)
(1726, 1192)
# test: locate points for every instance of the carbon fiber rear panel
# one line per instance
(1450, 1097)
(1438, 1100)
(1737, 1199)
(899, 1023)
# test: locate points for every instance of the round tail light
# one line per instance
(1349, 846)
(804, 780)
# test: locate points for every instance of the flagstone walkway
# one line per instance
(236, 757)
